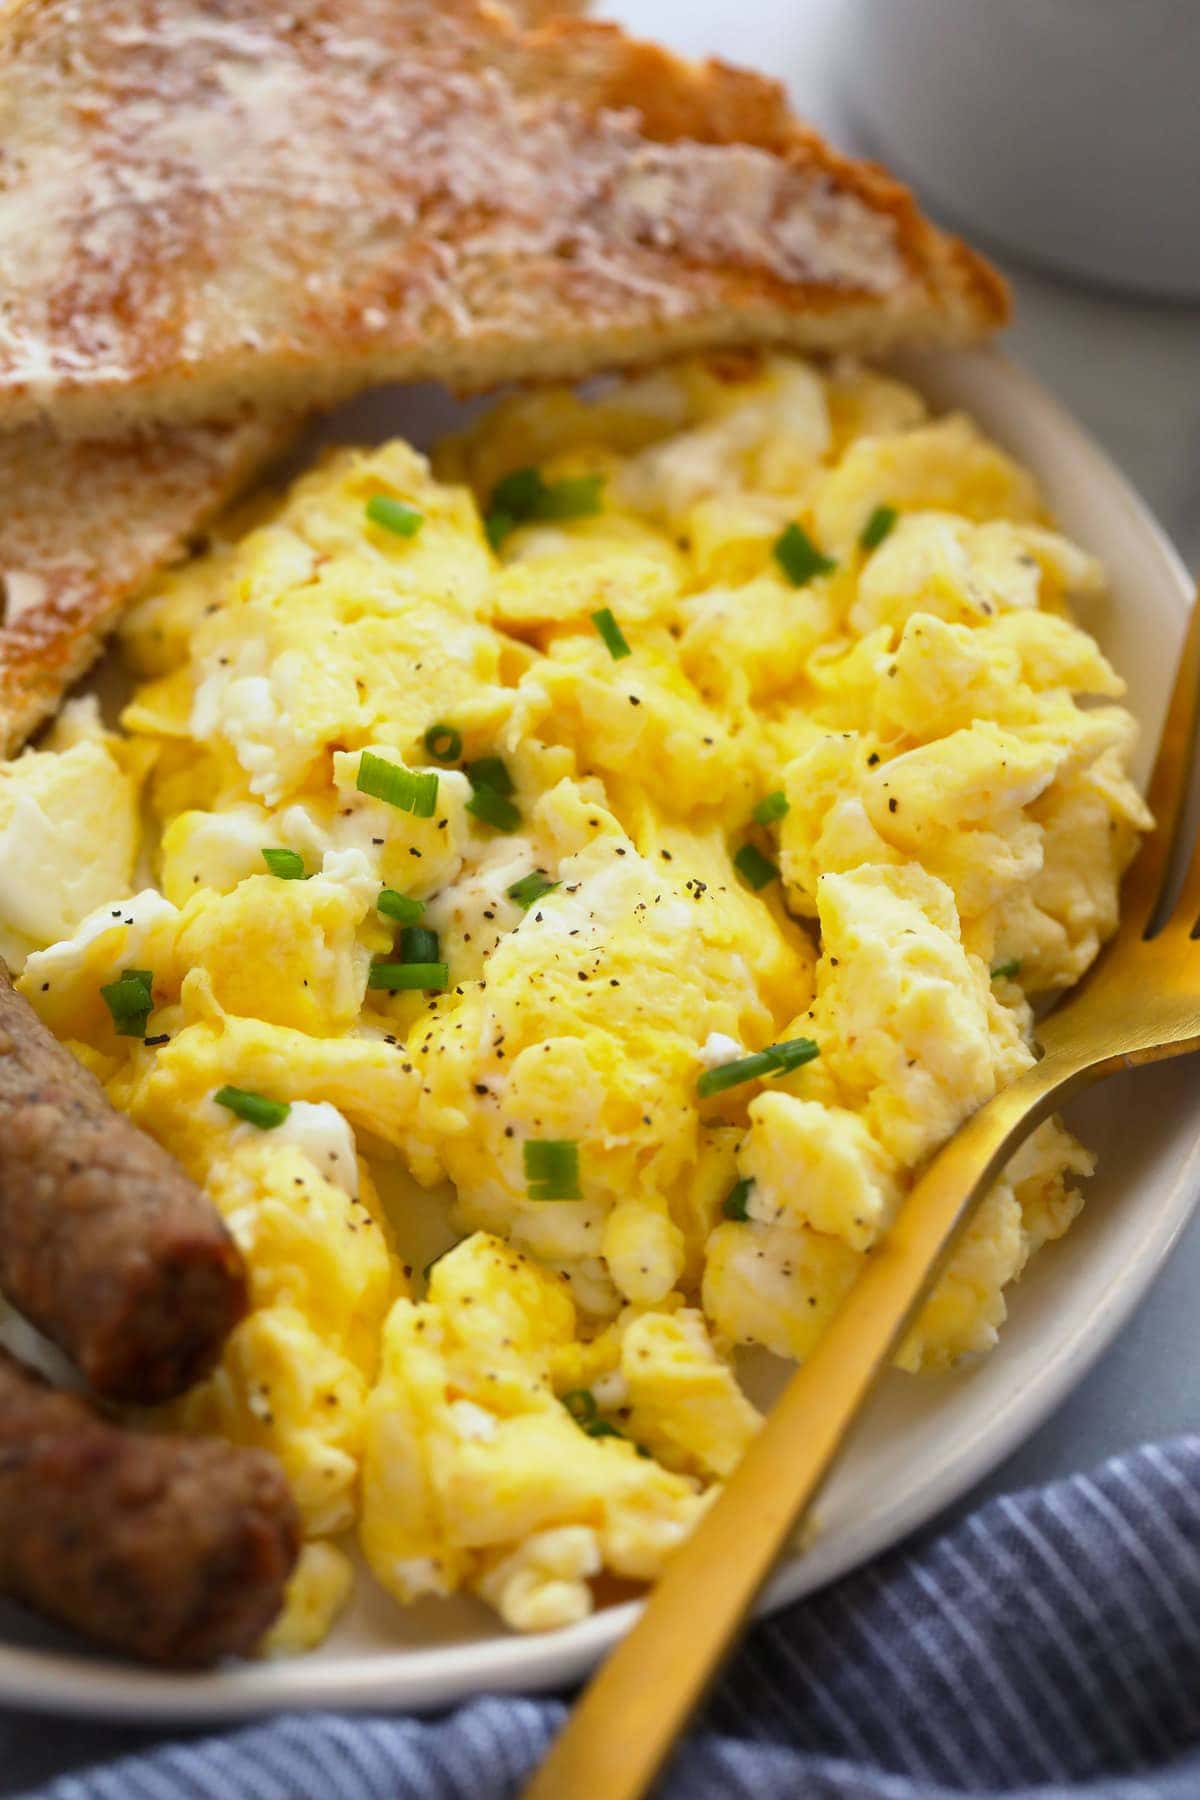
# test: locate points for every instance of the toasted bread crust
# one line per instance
(536, 12)
(83, 526)
(280, 201)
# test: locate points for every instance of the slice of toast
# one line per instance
(277, 202)
(536, 12)
(83, 526)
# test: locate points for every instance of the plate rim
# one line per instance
(50, 1681)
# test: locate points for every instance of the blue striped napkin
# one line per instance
(1047, 1645)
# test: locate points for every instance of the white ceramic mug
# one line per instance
(1065, 130)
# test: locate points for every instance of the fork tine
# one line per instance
(1167, 793)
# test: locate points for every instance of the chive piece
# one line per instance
(1006, 971)
(490, 772)
(611, 632)
(517, 493)
(393, 515)
(877, 527)
(581, 1404)
(497, 526)
(491, 788)
(494, 809)
(755, 868)
(582, 1407)
(776, 1059)
(288, 865)
(256, 1109)
(799, 557)
(444, 743)
(409, 977)
(734, 1206)
(399, 906)
(130, 1002)
(530, 888)
(419, 945)
(552, 1169)
(732, 1074)
(793, 1053)
(771, 808)
(575, 498)
(383, 780)
(524, 496)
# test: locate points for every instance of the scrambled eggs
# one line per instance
(480, 821)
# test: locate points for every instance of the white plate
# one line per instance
(924, 1441)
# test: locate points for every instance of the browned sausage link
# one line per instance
(104, 1242)
(174, 1550)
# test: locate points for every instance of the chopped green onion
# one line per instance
(494, 809)
(611, 632)
(393, 515)
(524, 496)
(1006, 971)
(754, 867)
(491, 791)
(419, 945)
(530, 888)
(130, 1001)
(581, 1404)
(552, 1169)
(771, 808)
(383, 780)
(444, 743)
(409, 977)
(518, 493)
(288, 865)
(575, 498)
(799, 557)
(776, 1059)
(734, 1206)
(793, 1053)
(399, 906)
(256, 1109)
(877, 527)
(490, 772)
(497, 526)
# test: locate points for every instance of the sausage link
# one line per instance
(173, 1550)
(105, 1245)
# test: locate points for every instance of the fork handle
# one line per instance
(623, 1729)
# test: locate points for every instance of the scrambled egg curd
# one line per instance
(644, 828)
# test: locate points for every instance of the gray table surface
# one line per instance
(1130, 372)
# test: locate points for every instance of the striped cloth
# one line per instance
(1047, 1645)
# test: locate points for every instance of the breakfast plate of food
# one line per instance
(534, 877)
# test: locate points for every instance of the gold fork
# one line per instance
(1141, 1003)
